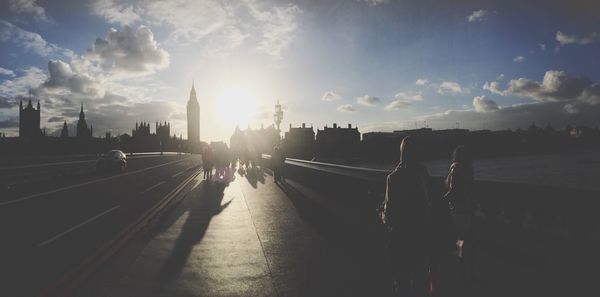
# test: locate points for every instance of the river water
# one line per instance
(570, 169)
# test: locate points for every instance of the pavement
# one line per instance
(250, 238)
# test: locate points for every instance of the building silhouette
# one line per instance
(299, 142)
(193, 117)
(29, 120)
(65, 130)
(142, 130)
(82, 128)
(163, 131)
(338, 141)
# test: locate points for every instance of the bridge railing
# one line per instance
(536, 223)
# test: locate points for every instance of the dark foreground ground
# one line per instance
(64, 236)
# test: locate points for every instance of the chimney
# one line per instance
(303, 125)
(349, 126)
(334, 125)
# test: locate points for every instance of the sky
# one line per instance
(383, 65)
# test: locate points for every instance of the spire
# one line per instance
(81, 114)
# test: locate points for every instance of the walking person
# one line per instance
(459, 186)
(278, 161)
(407, 215)
(207, 163)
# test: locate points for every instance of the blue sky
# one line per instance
(382, 65)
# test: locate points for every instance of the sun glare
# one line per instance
(237, 105)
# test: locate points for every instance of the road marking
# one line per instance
(49, 241)
(177, 174)
(149, 189)
(70, 280)
(86, 183)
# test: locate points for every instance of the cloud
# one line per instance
(565, 39)
(450, 87)
(367, 100)
(556, 86)
(215, 26)
(542, 46)
(557, 114)
(494, 87)
(330, 96)
(374, 2)
(477, 16)
(277, 27)
(116, 13)
(346, 108)
(61, 75)
(30, 78)
(421, 82)
(9, 123)
(56, 119)
(30, 41)
(7, 102)
(483, 104)
(29, 7)
(402, 100)
(519, 59)
(129, 51)
(4, 71)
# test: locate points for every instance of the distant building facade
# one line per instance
(193, 117)
(299, 142)
(338, 142)
(29, 120)
(163, 131)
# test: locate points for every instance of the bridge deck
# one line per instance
(257, 238)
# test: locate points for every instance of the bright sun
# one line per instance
(237, 105)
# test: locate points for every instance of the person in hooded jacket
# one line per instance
(408, 219)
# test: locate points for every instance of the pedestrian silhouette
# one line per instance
(407, 216)
(459, 185)
(277, 162)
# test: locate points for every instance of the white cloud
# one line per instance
(493, 87)
(28, 7)
(452, 88)
(214, 26)
(129, 51)
(4, 71)
(30, 78)
(346, 108)
(30, 41)
(519, 59)
(555, 86)
(374, 2)
(330, 96)
(402, 100)
(277, 28)
(483, 104)
(564, 39)
(61, 76)
(421, 82)
(367, 100)
(478, 16)
(116, 13)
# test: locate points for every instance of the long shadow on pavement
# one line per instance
(204, 205)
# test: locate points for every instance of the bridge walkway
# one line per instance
(257, 238)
